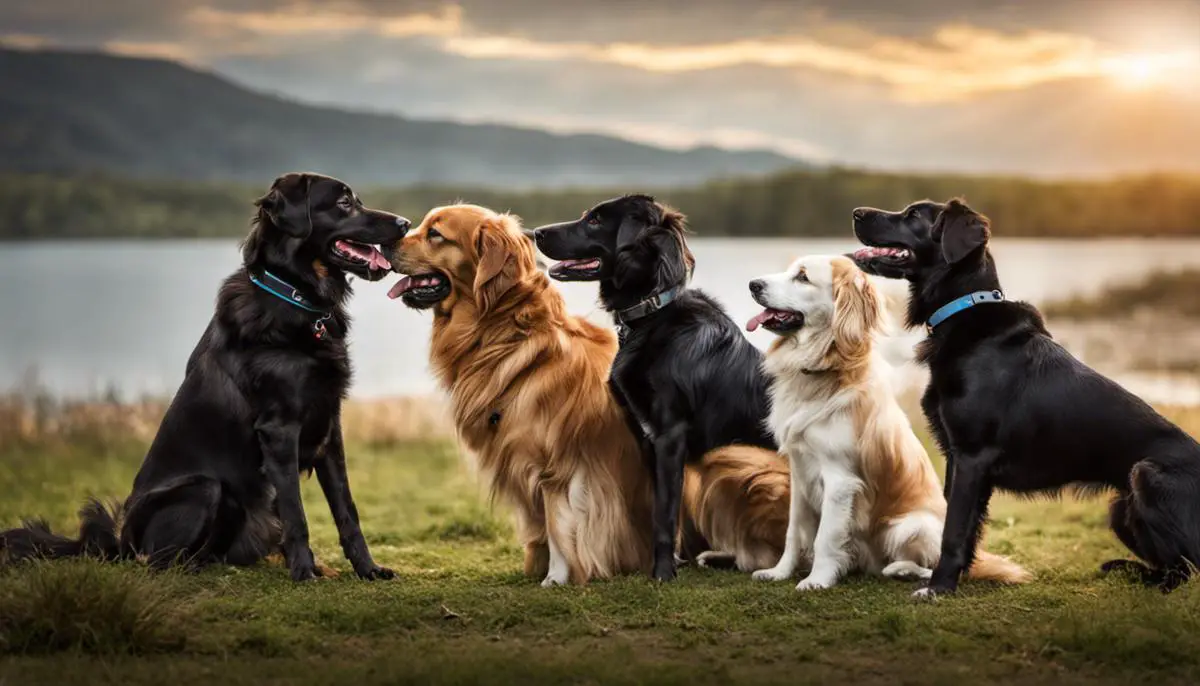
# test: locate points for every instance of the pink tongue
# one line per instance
(378, 261)
(758, 319)
(401, 286)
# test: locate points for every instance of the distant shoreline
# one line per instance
(795, 204)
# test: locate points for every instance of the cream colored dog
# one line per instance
(864, 496)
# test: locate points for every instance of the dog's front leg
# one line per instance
(831, 546)
(670, 453)
(560, 538)
(799, 532)
(967, 509)
(335, 484)
(279, 440)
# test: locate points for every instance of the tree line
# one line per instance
(799, 203)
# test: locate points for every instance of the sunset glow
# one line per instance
(1150, 70)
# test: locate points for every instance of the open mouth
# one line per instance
(776, 321)
(360, 255)
(872, 252)
(421, 290)
(577, 270)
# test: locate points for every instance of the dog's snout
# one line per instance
(537, 235)
(860, 213)
(757, 286)
(404, 225)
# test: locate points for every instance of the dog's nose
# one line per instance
(537, 234)
(860, 213)
(404, 225)
(757, 286)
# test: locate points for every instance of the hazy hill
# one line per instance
(67, 112)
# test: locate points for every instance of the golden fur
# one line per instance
(737, 498)
(528, 386)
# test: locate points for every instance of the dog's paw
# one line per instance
(925, 594)
(303, 572)
(904, 570)
(773, 574)
(813, 584)
(376, 573)
(551, 581)
(325, 571)
(930, 594)
(716, 559)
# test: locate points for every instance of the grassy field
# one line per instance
(461, 612)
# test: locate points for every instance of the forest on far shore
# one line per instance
(799, 203)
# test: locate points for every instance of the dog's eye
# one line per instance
(345, 203)
(433, 234)
(911, 214)
(802, 277)
(593, 221)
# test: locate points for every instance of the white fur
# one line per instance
(812, 416)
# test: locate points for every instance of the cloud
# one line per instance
(155, 49)
(908, 83)
(956, 61)
(303, 20)
(24, 41)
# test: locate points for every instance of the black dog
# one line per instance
(684, 369)
(1014, 410)
(260, 403)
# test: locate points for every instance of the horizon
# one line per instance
(1050, 91)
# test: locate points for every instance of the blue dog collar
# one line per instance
(290, 294)
(283, 290)
(964, 303)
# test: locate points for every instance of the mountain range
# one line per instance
(87, 112)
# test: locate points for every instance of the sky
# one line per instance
(1056, 87)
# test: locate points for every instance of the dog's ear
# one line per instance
(675, 261)
(961, 230)
(662, 231)
(287, 206)
(857, 310)
(505, 259)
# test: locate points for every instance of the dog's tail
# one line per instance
(98, 536)
(989, 567)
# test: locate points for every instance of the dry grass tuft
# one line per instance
(35, 419)
(91, 607)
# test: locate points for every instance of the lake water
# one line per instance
(81, 318)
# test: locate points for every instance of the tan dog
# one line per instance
(864, 496)
(529, 389)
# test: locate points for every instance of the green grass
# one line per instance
(461, 611)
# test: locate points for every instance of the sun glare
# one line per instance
(1142, 71)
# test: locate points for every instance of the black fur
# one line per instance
(686, 372)
(259, 404)
(1012, 409)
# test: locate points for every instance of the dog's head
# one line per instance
(940, 248)
(820, 295)
(921, 238)
(309, 219)
(633, 243)
(462, 252)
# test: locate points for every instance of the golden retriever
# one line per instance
(737, 499)
(528, 386)
(864, 495)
